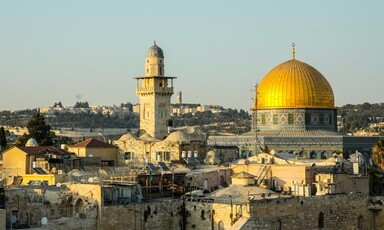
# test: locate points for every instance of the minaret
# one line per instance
(179, 98)
(154, 91)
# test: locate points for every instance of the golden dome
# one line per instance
(294, 84)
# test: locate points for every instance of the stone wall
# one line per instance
(160, 215)
(62, 210)
(338, 211)
(171, 214)
(343, 211)
(29, 206)
(2, 218)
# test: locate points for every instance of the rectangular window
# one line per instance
(167, 156)
(290, 119)
(158, 156)
(129, 155)
(107, 163)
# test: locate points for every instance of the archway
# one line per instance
(360, 223)
(321, 220)
(220, 225)
(79, 205)
(205, 185)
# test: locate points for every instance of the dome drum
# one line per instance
(295, 119)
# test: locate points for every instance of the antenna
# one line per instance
(255, 119)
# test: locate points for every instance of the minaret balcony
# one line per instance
(157, 90)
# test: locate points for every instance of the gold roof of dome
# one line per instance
(294, 84)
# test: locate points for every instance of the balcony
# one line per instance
(156, 90)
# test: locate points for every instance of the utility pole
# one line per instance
(255, 117)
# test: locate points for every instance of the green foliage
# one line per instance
(3, 138)
(81, 105)
(360, 116)
(39, 130)
(59, 104)
(64, 140)
(376, 179)
(230, 120)
(16, 119)
(90, 120)
(127, 105)
(378, 153)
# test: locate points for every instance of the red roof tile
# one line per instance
(40, 150)
(92, 143)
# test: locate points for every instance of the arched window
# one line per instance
(221, 225)
(360, 224)
(279, 227)
(321, 220)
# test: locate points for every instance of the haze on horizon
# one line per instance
(72, 51)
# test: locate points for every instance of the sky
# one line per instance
(91, 50)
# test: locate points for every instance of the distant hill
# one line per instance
(354, 117)
(229, 120)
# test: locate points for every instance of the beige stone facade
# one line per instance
(148, 149)
(154, 91)
(98, 149)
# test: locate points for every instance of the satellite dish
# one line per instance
(58, 185)
(13, 219)
(44, 220)
(190, 130)
(90, 180)
(90, 155)
(272, 152)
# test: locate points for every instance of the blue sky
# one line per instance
(90, 50)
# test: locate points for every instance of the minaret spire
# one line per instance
(293, 51)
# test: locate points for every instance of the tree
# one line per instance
(3, 138)
(39, 130)
(378, 153)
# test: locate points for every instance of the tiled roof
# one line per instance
(40, 150)
(92, 143)
(293, 133)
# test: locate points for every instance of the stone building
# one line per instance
(93, 148)
(45, 164)
(154, 90)
(174, 148)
